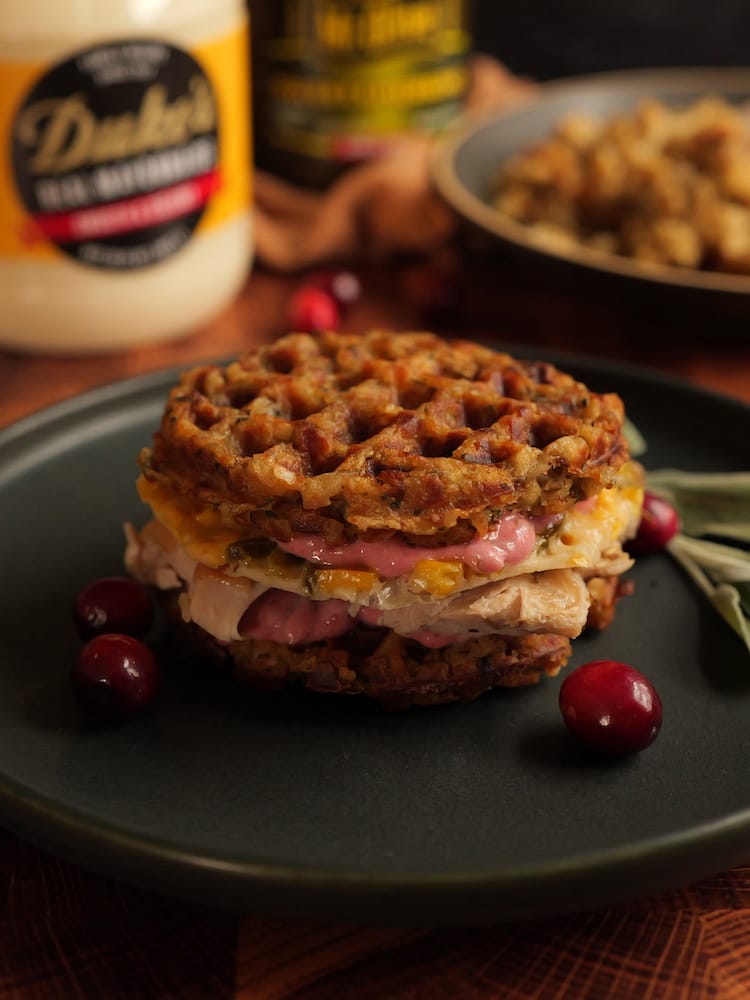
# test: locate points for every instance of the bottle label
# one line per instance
(348, 77)
(122, 151)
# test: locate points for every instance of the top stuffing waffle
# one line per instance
(384, 432)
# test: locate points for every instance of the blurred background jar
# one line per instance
(126, 170)
(339, 81)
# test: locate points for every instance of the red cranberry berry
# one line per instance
(113, 604)
(115, 676)
(611, 707)
(313, 309)
(659, 524)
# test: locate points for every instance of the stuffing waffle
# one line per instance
(388, 668)
(384, 433)
(394, 515)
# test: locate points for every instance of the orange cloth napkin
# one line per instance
(383, 207)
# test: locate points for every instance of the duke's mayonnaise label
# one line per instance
(120, 153)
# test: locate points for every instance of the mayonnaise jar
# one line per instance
(125, 179)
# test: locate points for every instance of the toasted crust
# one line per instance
(400, 672)
(394, 671)
(384, 432)
(605, 592)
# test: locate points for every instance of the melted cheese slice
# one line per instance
(201, 530)
(587, 539)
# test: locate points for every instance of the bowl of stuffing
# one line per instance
(641, 177)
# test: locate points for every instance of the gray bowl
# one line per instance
(466, 165)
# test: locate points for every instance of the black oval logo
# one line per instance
(115, 153)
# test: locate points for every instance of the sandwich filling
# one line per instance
(389, 514)
(525, 574)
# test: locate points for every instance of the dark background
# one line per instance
(552, 38)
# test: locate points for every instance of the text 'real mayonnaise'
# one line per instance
(125, 176)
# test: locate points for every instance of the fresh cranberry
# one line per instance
(313, 309)
(113, 604)
(659, 524)
(611, 707)
(115, 676)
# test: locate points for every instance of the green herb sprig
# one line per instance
(712, 506)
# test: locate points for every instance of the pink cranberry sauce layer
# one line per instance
(510, 541)
(279, 616)
(283, 617)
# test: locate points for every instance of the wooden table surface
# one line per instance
(67, 933)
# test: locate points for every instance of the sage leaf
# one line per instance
(713, 568)
(716, 504)
(636, 441)
(725, 562)
(727, 602)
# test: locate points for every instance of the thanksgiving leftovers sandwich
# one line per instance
(395, 515)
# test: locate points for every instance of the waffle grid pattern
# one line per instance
(385, 432)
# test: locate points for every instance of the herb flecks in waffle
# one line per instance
(385, 433)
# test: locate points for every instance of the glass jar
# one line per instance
(125, 180)
(340, 81)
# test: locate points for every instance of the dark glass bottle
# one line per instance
(339, 81)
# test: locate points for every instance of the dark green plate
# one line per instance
(326, 808)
